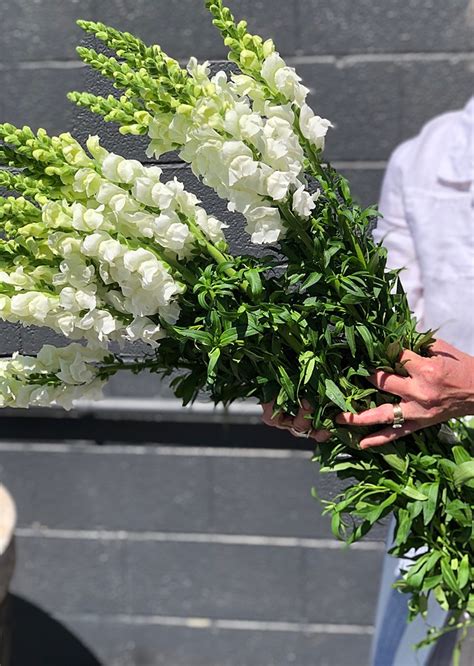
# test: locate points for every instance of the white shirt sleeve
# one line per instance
(394, 232)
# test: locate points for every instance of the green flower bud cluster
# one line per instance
(47, 164)
(123, 111)
(248, 51)
(153, 82)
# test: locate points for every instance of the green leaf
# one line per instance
(461, 455)
(350, 337)
(403, 527)
(286, 383)
(312, 278)
(413, 493)
(376, 513)
(464, 473)
(309, 369)
(429, 507)
(334, 393)
(448, 575)
(211, 366)
(464, 571)
(367, 338)
(458, 510)
(395, 461)
(328, 254)
(192, 334)
(228, 337)
(255, 283)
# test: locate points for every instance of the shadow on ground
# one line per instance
(39, 640)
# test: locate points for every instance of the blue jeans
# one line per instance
(394, 637)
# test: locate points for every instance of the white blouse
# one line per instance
(427, 203)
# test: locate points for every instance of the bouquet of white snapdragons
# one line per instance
(101, 249)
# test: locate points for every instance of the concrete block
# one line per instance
(34, 337)
(122, 644)
(363, 101)
(273, 497)
(341, 586)
(184, 28)
(71, 575)
(116, 491)
(215, 580)
(432, 88)
(10, 338)
(396, 27)
(37, 97)
(269, 496)
(41, 30)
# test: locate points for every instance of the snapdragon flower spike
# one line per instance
(96, 263)
(265, 75)
(55, 377)
(253, 160)
(247, 148)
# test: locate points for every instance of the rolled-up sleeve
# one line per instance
(394, 232)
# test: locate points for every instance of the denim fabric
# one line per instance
(394, 636)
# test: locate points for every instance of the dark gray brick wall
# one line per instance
(149, 557)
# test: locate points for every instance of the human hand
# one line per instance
(437, 388)
(299, 425)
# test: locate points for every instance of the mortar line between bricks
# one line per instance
(190, 537)
(212, 623)
(43, 64)
(324, 58)
(363, 58)
(90, 448)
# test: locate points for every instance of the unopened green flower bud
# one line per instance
(268, 48)
(249, 60)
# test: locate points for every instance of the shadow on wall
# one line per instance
(39, 640)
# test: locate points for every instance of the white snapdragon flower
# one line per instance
(74, 271)
(283, 79)
(159, 133)
(89, 219)
(74, 366)
(199, 71)
(87, 180)
(32, 307)
(172, 234)
(242, 167)
(278, 184)
(120, 170)
(73, 152)
(264, 224)
(77, 300)
(56, 215)
(18, 278)
(211, 226)
(314, 128)
(241, 122)
(304, 202)
(117, 199)
(101, 323)
(247, 86)
(142, 328)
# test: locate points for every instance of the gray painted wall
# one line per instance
(128, 546)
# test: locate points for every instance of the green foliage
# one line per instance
(310, 324)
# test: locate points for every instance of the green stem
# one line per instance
(211, 249)
(296, 224)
